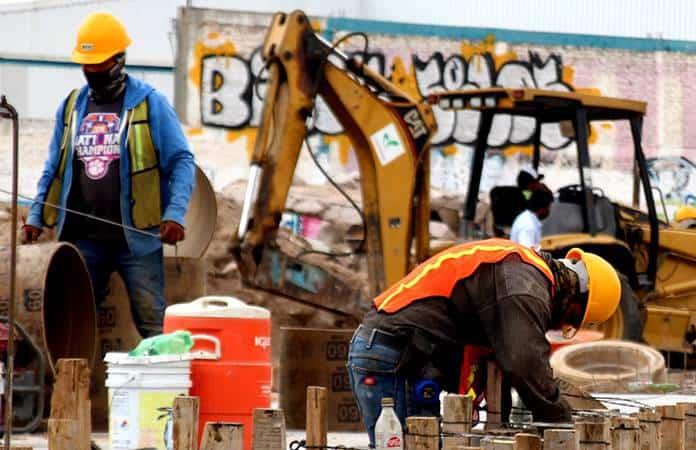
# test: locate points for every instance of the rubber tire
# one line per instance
(631, 312)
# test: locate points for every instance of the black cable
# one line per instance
(315, 93)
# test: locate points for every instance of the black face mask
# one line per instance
(106, 87)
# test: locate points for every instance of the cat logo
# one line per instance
(415, 123)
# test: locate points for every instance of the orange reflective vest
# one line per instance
(437, 276)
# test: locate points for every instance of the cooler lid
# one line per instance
(218, 306)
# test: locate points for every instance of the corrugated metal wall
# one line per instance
(672, 19)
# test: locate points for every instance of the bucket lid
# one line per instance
(123, 359)
(218, 306)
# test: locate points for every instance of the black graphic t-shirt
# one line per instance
(96, 184)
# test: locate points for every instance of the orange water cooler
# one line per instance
(230, 387)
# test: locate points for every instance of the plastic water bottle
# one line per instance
(388, 432)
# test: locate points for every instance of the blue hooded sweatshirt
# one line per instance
(177, 167)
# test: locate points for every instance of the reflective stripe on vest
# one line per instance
(437, 276)
(145, 198)
(146, 208)
(50, 213)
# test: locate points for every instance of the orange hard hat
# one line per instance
(100, 36)
(603, 287)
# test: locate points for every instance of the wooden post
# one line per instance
(689, 426)
(185, 423)
(625, 433)
(317, 419)
(223, 436)
(497, 444)
(494, 396)
(63, 434)
(594, 433)
(561, 440)
(649, 422)
(70, 399)
(456, 418)
(672, 426)
(269, 430)
(524, 441)
(422, 433)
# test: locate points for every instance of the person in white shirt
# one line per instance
(526, 229)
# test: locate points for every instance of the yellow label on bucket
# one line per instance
(136, 418)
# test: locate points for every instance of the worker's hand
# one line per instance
(30, 233)
(171, 232)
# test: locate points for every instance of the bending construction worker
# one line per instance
(492, 293)
(117, 153)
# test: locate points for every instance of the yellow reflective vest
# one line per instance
(146, 202)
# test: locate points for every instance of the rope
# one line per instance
(90, 216)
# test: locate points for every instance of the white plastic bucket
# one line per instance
(141, 393)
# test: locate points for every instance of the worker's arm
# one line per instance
(176, 160)
(515, 324)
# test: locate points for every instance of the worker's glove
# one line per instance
(30, 233)
(171, 232)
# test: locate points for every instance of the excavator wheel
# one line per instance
(628, 320)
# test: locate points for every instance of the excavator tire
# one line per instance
(628, 321)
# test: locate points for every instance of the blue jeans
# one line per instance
(374, 374)
(142, 275)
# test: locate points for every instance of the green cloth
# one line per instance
(174, 343)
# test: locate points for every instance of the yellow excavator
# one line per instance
(390, 133)
(657, 259)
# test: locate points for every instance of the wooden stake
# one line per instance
(185, 423)
(269, 430)
(223, 436)
(524, 441)
(494, 396)
(689, 425)
(625, 433)
(649, 435)
(422, 433)
(594, 433)
(317, 419)
(561, 440)
(63, 434)
(456, 418)
(672, 426)
(70, 399)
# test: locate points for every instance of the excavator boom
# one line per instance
(390, 133)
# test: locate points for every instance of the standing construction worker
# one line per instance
(526, 228)
(492, 293)
(117, 153)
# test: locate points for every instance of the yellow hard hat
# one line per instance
(100, 37)
(603, 287)
(686, 212)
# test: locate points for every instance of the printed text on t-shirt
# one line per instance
(98, 143)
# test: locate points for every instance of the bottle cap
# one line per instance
(387, 401)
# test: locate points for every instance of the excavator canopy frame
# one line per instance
(574, 111)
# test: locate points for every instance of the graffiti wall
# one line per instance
(221, 83)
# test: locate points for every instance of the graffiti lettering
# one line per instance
(232, 89)
(438, 74)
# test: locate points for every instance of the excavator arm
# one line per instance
(390, 133)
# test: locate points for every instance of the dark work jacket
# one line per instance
(506, 306)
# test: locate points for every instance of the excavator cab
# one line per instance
(656, 260)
